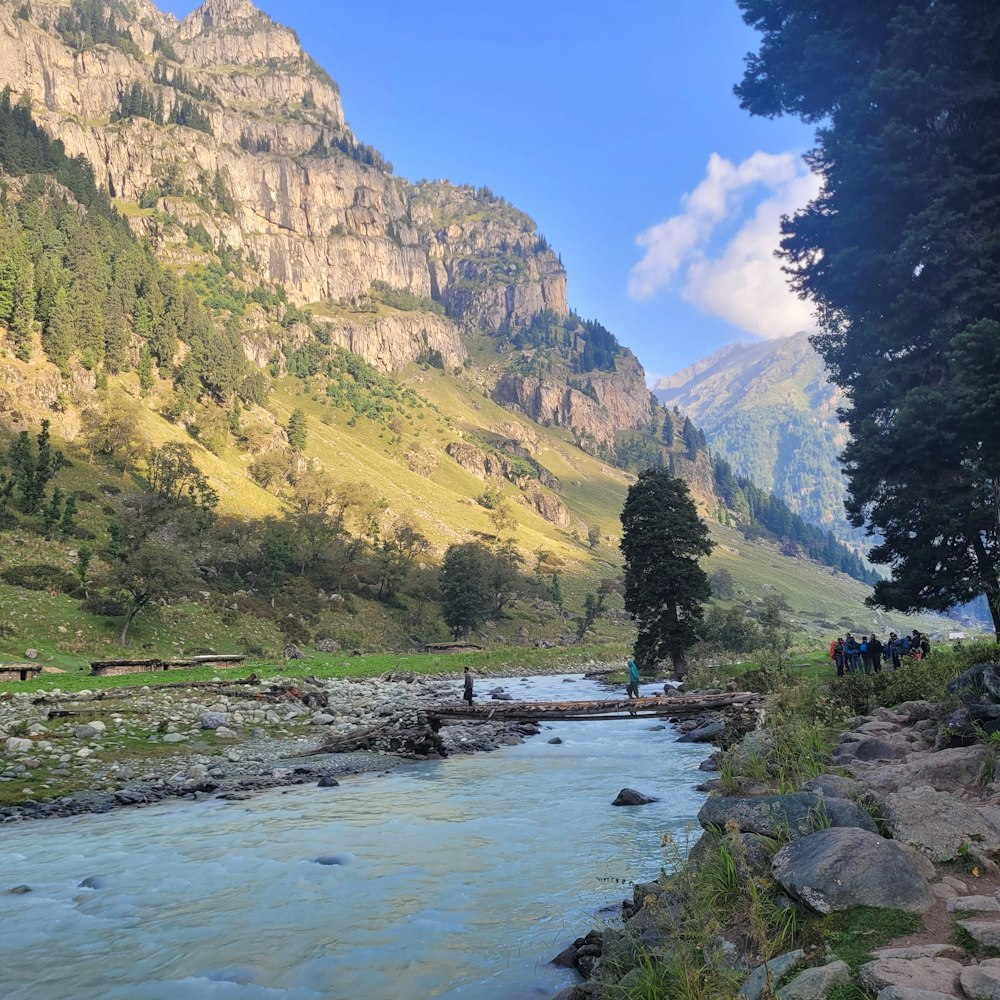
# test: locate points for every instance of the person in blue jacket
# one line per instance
(632, 688)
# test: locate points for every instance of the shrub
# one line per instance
(41, 576)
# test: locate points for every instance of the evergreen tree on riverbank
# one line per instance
(665, 588)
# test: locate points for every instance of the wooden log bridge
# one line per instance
(670, 706)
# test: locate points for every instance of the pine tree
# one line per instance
(145, 372)
(899, 254)
(466, 595)
(690, 436)
(297, 430)
(662, 540)
(57, 337)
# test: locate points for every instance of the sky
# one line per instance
(614, 125)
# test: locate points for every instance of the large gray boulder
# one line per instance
(794, 815)
(937, 823)
(842, 867)
(982, 981)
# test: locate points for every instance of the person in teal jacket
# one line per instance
(632, 688)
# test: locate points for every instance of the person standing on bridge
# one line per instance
(632, 688)
(467, 696)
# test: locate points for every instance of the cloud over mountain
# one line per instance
(733, 275)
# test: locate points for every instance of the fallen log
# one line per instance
(618, 708)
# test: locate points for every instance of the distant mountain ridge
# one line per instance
(769, 409)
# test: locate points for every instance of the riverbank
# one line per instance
(853, 861)
(94, 750)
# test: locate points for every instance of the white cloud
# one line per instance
(742, 282)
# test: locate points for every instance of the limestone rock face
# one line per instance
(311, 206)
(270, 169)
(612, 402)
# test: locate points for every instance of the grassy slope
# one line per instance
(442, 505)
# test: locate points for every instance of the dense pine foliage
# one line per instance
(900, 253)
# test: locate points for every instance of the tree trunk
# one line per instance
(991, 589)
(680, 664)
(133, 611)
(993, 600)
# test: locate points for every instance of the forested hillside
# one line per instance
(769, 410)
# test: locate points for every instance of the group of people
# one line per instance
(868, 654)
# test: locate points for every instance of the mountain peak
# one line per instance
(222, 14)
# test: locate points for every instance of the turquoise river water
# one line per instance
(460, 878)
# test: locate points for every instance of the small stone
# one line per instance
(19, 890)
(174, 738)
(334, 859)
(327, 781)
(556, 740)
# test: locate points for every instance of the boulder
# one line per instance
(937, 823)
(973, 904)
(870, 749)
(842, 867)
(981, 682)
(921, 951)
(797, 814)
(943, 770)
(16, 744)
(630, 797)
(982, 981)
(909, 993)
(213, 720)
(292, 652)
(755, 984)
(935, 974)
(86, 732)
(705, 733)
(984, 932)
(327, 781)
(815, 983)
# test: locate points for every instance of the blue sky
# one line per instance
(607, 123)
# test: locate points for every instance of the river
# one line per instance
(457, 878)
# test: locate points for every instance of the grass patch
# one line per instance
(855, 933)
(486, 662)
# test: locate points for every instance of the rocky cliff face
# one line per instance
(319, 212)
(605, 404)
(243, 138)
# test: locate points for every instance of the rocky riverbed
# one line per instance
(90, 751)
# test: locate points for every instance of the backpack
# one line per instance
(864, 647)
